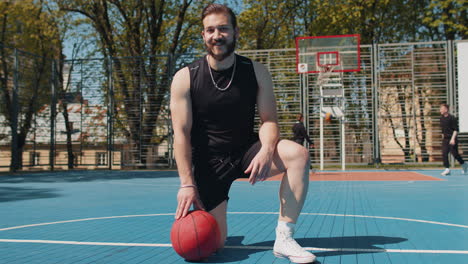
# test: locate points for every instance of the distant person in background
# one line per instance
(300, 132)
(449, 125)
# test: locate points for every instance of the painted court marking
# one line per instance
(234, 247)
(269, 213)
(464, 252)
(363, 176)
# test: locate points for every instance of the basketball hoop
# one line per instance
(324, 74)
(329, 56)
(313, 53)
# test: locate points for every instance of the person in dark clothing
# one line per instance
(213, 105)
(299, 131)
(449, 126)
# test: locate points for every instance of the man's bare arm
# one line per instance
(260, 166)
(181, 112)
(266, 103)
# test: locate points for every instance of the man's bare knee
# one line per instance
(293, 155)
(305, 154)
(300, 155)
(219, 213)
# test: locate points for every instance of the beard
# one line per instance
(230, 47)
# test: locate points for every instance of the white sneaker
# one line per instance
(286, 247)
(445, 172)
(465, 168)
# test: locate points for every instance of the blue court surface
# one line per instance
(126, 217)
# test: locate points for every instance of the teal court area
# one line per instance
(126, 217)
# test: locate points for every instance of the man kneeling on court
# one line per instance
(213, 103)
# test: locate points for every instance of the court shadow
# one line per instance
(352, 245)
(83, 176)
(8, 194)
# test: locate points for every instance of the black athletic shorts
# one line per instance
(214, 174)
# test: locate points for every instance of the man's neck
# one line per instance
(221, 65)
(446, 114)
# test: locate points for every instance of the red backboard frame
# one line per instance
(358, 47)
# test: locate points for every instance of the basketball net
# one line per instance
(324, 74)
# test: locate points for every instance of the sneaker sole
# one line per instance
(295, 259)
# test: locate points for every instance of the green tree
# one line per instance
(141, 31)
(267, 24)
(275, 24)
(447, 19)
(377, 21)
(25, 77)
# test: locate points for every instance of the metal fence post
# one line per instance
(450, 87)
(53, 111)
(110, 114)
(140, 115)
(170, 148)
(14, 166)
(375, 108)
(304, 103)
(450, 80)
(414, 116)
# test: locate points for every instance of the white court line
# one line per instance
(84, 243)
(145, 184)
(272, 213)
(364, 216)
(81, 220)
(421, 251)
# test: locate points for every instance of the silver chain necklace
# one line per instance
(232, 76)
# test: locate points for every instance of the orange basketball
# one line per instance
(195, 236)
(328, 117)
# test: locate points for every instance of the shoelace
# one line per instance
(294, 246)
(291, 244)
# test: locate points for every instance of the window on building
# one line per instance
(101, 158)
(77, 158)
(34, 158)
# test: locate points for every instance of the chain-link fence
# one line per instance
(25, 90)
(114, 113)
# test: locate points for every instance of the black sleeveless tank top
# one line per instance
(223, 121)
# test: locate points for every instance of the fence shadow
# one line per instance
(83, 176)
(349, 243)
(9, 194)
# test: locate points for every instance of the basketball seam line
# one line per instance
(196, 235)
(178, 238)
